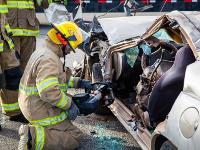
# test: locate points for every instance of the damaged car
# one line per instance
(104, 33)
(154, 80)
(159, 102)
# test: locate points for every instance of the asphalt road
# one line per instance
(101, 132)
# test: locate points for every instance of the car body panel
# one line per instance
(126, 117)
(188, 99)
(175, 128)
(188, 26)
(122, 28)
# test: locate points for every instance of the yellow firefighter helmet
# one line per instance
(66, 32)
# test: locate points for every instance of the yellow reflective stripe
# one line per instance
(63, 101)
(29, 91)
(10, 107)
(1, 47)
(71, 82)
(40, 137)
(50, 120)
(25, 32)
(21, 4)
(3, 9)
(11, 44)
(46, 83)
(8, 29)
(63, 87)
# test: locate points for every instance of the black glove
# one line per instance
(85, 84)
(88, 104)
(73, 111)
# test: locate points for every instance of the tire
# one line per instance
(97, 77)
(167, 145)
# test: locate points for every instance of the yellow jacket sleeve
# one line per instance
(73, 82)
(48, 86)
(3, 7)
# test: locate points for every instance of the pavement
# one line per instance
(101, 132)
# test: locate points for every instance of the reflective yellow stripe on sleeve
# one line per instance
(40, 138)
(11, 44)
(63, 87)
(25, 32)
(1, 47)
(63, 102)
(8, 29)
(3, 9)
(71, 82)
(46, 83)
(21, 4)
(29, 91)
(50, 120)
(10, 107)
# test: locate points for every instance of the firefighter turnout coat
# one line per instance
(43, 101)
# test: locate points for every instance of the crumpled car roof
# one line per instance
(122, 28)
(189, 25)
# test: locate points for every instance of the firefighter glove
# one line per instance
(85, 84)
(90, 105)
(73, 111)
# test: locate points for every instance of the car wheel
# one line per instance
(167, 145)
(97, 77)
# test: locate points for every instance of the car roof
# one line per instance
(188, 24)
(121, 28)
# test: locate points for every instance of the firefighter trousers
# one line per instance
(25, 46)
(64, 136)
(10, 76)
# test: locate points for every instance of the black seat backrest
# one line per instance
(168, 87)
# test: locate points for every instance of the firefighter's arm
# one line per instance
(5, 31)
(3, 12)
(3, 7)
(76, 82)
(48, 85)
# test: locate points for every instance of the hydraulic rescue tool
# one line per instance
(88, 103)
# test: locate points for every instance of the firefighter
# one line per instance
(42, 97)
(24, 27)
(10, 73)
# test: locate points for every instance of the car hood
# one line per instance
(122, 28)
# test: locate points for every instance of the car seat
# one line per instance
(168, 87)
